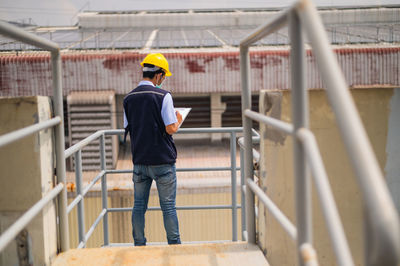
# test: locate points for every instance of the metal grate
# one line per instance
(232, 117)
(88, 113)
(200, 115)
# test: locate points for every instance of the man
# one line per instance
(151, 120)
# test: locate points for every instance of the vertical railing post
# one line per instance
(60, 147)
(300, 119)
(242, 195)
(78, 182)
(248, 152)
(104, 188)
(382, 242)
(233, 182)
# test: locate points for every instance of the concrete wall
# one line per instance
(237, 18)
(26, 175)
(171, 20)
(377, 108)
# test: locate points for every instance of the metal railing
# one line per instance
(382, 224)
(81, 192)
(381, 220)
(60, 189)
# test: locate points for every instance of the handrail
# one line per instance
(82, 243)
(85, 191)
(256, 154)
(16, 33)
(29, 130)
(209, 130)
(382, 222)
(86, 141)
(278, 124)
(191, 169)
(27, 217)
(275, 211)
(81, 192)
(272, 25)
(328, 207)
(383, 241)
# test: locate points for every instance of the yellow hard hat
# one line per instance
(159, 60)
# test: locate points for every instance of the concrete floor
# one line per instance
(191, 153)
(239, 253)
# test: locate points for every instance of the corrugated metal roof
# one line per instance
(193, 72)
(209, 29)
(211, 37)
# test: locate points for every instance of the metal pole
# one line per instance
(19, 34)
(78, 181)
(327, 201)
(248, 154)
(273, 122)
(382, 235)
(234, 190)
(60, 146)
(300, 120)
(94, 225)
(81, 144)
(274, 210)
(104, 188)
(272, 25)
(26, 131)
(242, 195)
(8, 235)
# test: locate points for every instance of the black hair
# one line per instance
(151, 74)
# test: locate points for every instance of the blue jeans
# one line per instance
(165, 177)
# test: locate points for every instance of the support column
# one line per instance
(217, 109)
(26, 175)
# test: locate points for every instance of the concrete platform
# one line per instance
(239, 253)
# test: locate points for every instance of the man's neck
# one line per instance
(151, 80)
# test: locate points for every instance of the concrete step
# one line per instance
(238, 253)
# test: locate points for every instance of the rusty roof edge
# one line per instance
(193, 51)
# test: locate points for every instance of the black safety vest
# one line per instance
(150, 143)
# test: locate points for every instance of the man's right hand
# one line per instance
(173, 128)
(179, 117)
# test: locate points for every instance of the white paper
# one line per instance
(184, 112)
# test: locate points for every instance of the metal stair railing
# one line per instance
(59, 190)
(381, 218)
(76, 149)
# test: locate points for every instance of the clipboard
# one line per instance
(184, 112)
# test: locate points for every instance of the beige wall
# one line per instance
(277, 171)
(26, 175)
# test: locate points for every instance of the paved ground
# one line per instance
(228, 254)
(191, 153)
